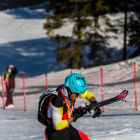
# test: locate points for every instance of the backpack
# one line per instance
(42, 106)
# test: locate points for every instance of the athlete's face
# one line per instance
(74, 96)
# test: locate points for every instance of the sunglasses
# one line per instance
(71, 92)
(77, 94)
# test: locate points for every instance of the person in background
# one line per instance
(9, 79)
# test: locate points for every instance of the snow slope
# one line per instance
(18, 125)
(23, 42)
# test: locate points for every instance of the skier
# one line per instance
(9, 79)
(61, 112)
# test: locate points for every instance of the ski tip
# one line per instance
(125, 91)
(123, 94)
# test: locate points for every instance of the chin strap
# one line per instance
(69, 94)
(68, 91)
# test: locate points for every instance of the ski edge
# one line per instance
(120, 97)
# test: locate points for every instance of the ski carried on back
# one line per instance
(120, 97)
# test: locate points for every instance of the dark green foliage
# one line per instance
(69, 50)
(134, 29)
(134, 32)
(69, 54)
(84, 14)
(133, 24)
(98, 8)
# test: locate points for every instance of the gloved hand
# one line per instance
(77, 113)
(97, 111)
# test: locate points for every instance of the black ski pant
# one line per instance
(66, 134)
(9, 99)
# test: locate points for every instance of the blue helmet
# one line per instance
(76, 82)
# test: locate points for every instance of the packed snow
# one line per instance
(23, 42)
(19, 125)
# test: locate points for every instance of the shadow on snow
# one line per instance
(31, 57)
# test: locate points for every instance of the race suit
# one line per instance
(59, 109)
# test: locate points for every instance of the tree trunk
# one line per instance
(96, 42)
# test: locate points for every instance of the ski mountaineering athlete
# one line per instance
(60, 109)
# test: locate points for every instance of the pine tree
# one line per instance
(134, 32)
(98, 9)
(133, 24)
(84, 14)
(69, 50)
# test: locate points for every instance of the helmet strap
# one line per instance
(69, 91)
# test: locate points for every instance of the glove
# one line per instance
(77, 113)
(97, 111)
